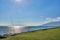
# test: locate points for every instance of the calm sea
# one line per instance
(5, 29)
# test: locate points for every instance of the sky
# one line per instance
(28, 12)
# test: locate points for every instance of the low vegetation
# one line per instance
(49, 34)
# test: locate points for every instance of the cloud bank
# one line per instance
(48, 20)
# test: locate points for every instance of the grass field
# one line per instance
(49, 34)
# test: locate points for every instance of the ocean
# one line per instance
(8, 30)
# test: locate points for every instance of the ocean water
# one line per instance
(3, 30)
(7, 30)
(33, 28)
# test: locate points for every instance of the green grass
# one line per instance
(50, 34)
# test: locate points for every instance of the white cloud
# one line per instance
(58, 19)
(47, 20)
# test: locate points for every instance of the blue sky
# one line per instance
(28, 12)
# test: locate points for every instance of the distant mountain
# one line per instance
(57, 23)
(45, 26)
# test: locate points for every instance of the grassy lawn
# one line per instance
(50, 34)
